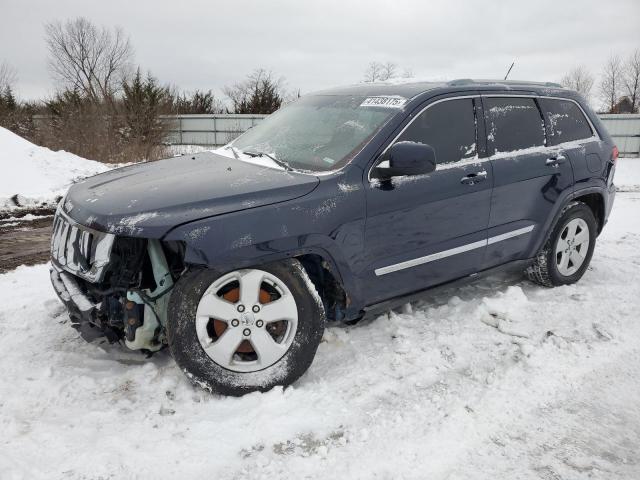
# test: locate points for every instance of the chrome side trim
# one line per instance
(430, 258)
(452, 251)
(506, 236)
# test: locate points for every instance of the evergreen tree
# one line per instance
(199, 102)
(142, 100)
(8, 101)
(258, 94)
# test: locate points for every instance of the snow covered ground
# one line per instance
(34, 173)
(500, 379)
(627, 176)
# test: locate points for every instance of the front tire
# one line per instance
(568, 250)
(245, 330)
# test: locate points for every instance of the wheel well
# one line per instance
(595, 202)
(326, 282)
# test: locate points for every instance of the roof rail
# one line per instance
(468, 81)
(461, 81)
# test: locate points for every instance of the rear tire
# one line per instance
(255, 355)
(568, 250)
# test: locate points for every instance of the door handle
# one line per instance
(556, 160)
(474, 178)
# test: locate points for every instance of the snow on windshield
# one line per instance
(320, 132)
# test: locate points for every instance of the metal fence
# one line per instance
(220, 129)
(625, 130)
(208, 130)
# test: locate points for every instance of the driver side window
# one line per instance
(449, 127)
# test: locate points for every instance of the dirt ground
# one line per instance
(24, 242)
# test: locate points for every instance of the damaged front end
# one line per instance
(113, 285)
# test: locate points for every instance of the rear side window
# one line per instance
(449, 127)
(565, 121)
(513, 124)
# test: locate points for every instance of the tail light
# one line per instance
(611, 168)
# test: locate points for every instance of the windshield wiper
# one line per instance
(234, 150)
(284, 165)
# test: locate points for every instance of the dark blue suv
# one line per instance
(345, 203)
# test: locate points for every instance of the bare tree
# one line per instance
(372, 72)
(86, 58)
(611, 82)
(632, 79)
(408, 73)
(579, 79)
(380, 72)
(7, 76)
(388, 71)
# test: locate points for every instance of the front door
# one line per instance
(425, 230)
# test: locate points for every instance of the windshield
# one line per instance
(317, 133)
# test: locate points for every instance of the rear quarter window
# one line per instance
(565, 121)
(513, 124)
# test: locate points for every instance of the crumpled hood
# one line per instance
(151, 198)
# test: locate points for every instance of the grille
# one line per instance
(78, 249)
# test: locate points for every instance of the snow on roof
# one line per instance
(36, 174)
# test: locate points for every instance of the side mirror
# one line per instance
(407, 158)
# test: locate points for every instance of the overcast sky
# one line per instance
(207, 44)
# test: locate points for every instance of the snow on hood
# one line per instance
(154, 197)
(36, 174)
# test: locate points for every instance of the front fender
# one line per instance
(329, 222)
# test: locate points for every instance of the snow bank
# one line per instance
(36, 174)
(499, 379)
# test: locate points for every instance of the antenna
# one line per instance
(509, 71)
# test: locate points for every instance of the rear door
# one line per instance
(529, 176)
(569, 131)
(428, 229)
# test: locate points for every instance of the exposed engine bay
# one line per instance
(118, 286)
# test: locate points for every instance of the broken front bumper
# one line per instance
(69, 292)
(83, 312)
(140, 325)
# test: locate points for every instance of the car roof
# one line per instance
(410, 88)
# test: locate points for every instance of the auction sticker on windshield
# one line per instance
(386, 101)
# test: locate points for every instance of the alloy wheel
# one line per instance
(246, 320)
(572, 246)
